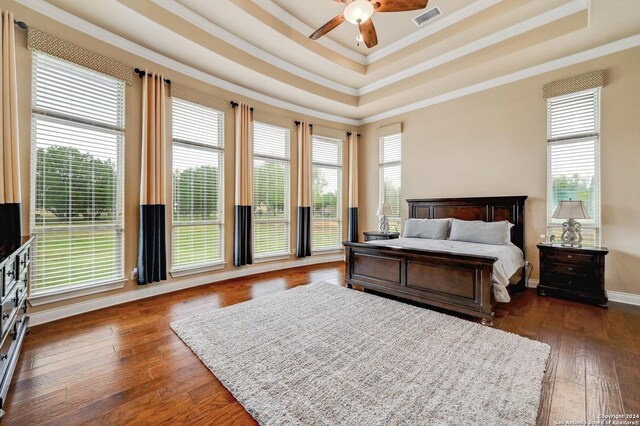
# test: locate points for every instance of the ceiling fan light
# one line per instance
(358, 11)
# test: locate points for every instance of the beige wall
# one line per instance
(494, 143)
(132, 146)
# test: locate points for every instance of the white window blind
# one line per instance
(270, 190)
(390, 175)
(326, 211)
(573, 154)
(77, 194)
(198, 188)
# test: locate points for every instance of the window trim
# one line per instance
(43, 295)
(196, 268)
(571, 139)
(339, 199)
(287, 216)
(383, 165)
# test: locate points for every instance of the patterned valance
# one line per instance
(63, 49)
(573, 84)
(200, 98)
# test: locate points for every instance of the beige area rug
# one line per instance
(325, 355)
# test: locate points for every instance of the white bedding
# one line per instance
(510, 257)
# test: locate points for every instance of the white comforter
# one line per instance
(510, 257)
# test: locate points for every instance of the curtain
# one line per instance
(152, 242)
(9, 143)
(243, 231)
(352, 232)
(303, 135)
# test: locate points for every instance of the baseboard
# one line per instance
(531, 283)
(142, 292)
(620, 297)
(614, 296)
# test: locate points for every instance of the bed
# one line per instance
(450, 276)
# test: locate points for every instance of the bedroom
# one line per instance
(461, 99)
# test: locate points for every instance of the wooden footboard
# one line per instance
(460, 283)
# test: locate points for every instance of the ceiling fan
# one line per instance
(359, 13)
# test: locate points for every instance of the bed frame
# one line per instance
(457, 282)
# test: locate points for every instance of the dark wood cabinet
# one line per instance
(14, 322)
(575, 273)
(377, 235)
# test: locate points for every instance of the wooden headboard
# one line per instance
(489, 209)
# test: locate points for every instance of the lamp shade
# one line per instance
(358, 11)
(384, 209)
(571, 210)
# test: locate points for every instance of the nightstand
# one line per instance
(575, 273)
(377, 235)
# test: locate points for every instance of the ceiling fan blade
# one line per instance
(368, 32)
(327, 27)
(398, 5)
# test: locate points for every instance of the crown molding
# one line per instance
(296, 24)
(540, 20)
(94, 31)
(442, 23)
(250, 48)
(586, 55)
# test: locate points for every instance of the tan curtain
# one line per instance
(353, 186)
(10, 191)
(243, 224)
(303, 136)
(152, 246)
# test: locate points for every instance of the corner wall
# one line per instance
(494, 143)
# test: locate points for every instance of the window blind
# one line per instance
(198, 187)
(390, 175)
(271, 190)
(77, 195)
(326, 211)
(573, 170)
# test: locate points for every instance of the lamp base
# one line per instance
(384, 224)
(571, 235)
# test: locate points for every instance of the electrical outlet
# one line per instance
(134, 273)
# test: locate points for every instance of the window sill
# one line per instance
(272, 258)
(192, 270)
(44, 297)
(326, 251)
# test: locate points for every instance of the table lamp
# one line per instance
(384, 210)
(571, 210)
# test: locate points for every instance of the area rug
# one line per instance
(321, 354)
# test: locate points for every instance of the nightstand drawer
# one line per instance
(570, 282)
(571, 257)
(570, 269)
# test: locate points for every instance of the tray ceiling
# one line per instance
(262, 46)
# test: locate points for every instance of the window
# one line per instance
(198, 206)
(326, 211)
(390, 176)
(78, 171)
(573, 154)
(270, 190)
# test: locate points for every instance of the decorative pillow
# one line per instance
(433, 229)
(478, 231)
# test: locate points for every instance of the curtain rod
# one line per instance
(298, 123)
(349, 134)
(142, 73)
(21, 24)
(235, 104)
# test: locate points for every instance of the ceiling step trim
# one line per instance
(576, 58)
(240, 43)
(515, 30)
(92, 30)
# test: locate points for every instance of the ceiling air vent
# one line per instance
(427, 16)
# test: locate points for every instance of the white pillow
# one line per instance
(433, 229)
(478, 231)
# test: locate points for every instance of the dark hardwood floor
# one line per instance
(124, 365)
